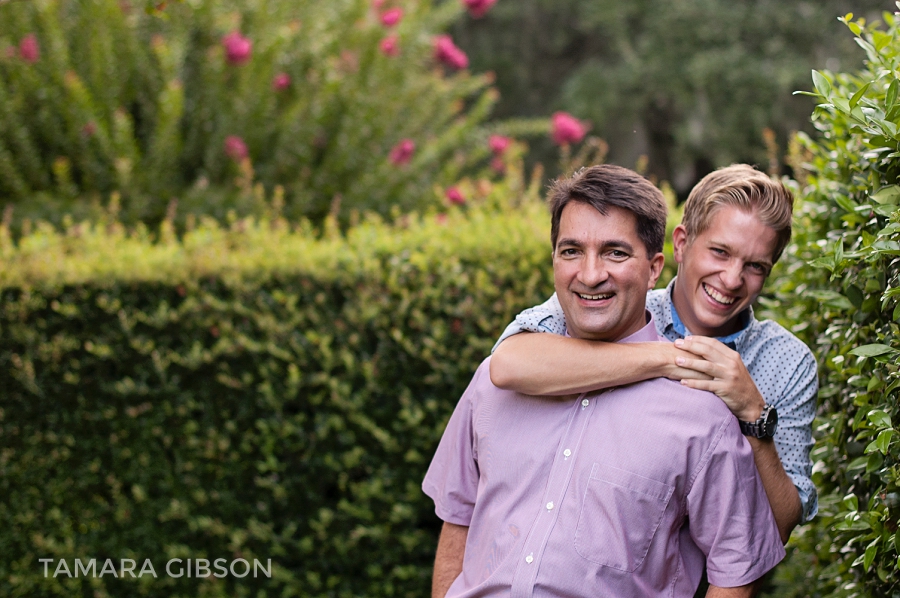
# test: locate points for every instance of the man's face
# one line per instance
(721, 271)
(602, 272)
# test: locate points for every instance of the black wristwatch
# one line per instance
(764, 427)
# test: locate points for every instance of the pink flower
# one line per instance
(391, 17)
(446, 52)
(237, 48)
(281, 81)
(455, 196)
(235, 148)
(478, 8)
(498, 144)
(389, 46)
(498, 165)
(377, 4)
(402, 152)
(29, 50)
(567, 129)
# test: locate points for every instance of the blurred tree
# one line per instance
(690, 84)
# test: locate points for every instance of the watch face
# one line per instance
(771, 421)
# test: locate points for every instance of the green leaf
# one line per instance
(871, 350)
(854, 100)
(881, 443)
(891, 97)
(846, 203)
(879, 418)
(821, 83)
(851, 502)
(889, 194)
(871, 552)
(832, 299)
(886, 210)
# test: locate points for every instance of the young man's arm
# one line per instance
(730, 380)
(746, 591)
(448, 562)
(550, 364)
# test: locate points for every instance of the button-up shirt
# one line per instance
(623, 492)
(782, 367)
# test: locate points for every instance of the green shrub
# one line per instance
(845, 308)
(100, 97)
(248, 391)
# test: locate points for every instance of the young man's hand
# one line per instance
(730, 379)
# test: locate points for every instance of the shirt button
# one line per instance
(585, 402)
(529, 559)
(567, 453)
(550, 505)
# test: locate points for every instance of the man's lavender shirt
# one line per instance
(623, 492)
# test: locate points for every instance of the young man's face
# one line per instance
(602, 272)
(722, 271)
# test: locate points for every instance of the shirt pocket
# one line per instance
(619, 517)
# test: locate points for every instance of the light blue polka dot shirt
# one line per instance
(782, 367)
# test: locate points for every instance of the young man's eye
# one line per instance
(718, 251)
(757, 268)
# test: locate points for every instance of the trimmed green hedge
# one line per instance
(845, 308)
(252, 392)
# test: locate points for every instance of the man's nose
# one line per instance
(733, 275)
(594, 272)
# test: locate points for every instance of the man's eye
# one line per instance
(718, 251)
(757, 268)
(567, 252)
(618, 255)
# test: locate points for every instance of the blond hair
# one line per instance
(747, 189)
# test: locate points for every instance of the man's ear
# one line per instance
(656, 267)
(679, 242)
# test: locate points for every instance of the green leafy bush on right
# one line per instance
(838, 290)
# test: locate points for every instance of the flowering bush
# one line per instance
(213, 104)
(567, 129)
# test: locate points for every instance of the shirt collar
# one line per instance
(674, 321)
(645, 334)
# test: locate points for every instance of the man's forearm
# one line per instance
(550, 364)
(746, 591)
(448, 562)
(780, 490)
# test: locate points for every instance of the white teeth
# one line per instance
(717, 295)
(595, 297)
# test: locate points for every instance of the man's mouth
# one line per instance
(717, 296)
(595, 297)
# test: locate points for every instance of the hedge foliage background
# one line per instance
(838, 290)
(246, 391)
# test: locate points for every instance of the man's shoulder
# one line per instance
(775, 337)
(704, 405)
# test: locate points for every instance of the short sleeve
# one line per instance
(546, 317)
(729, 516)
(452, 478)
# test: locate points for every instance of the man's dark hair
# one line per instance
(606, 185)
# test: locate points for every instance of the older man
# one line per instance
(625, 492)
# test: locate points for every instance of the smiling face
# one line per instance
(602, 272)
(722, 270)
